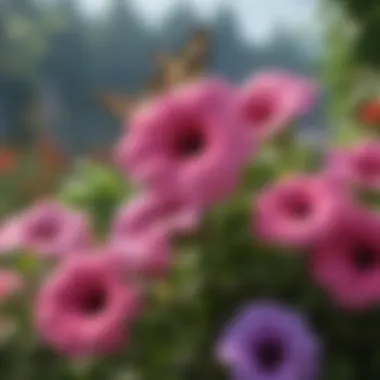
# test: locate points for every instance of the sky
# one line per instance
(258, 18)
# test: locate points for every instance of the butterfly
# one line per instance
(118, 105)
(171, 70)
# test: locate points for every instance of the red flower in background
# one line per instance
(8, 160)
(369, 112)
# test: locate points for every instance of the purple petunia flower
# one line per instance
(269, 341)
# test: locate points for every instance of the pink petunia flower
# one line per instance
(50, 228)
(346, 263)
(168, 212)
(143, 228)
(357, 166)
(11, 235)
(148, 256)
(192, 141)
(271, 100)
(85, 308)
(296, 211)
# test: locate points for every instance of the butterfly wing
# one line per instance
(118, 105)
(196, 53)
(155, 84)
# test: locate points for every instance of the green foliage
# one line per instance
(14, 191)
(214, 272)
(365, 14)
(360, 10)
(365, 51)
(96, 189)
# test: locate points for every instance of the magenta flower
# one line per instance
(148, 256)
(269, 341)
(297, 211)
(49, 228)
(85, 308)
(271, 100)
(358, 166)
(143, 229)
(346, 263)
(191, 141)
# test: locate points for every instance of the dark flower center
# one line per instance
(189, 142)
(364, 258)
(297, 205)
(270, 354)
(94, 302)
(46, 228)
(368, 166)
(167, 208)
(259, 110)
(89, 300)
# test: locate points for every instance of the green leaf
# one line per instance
(27, 263)
(339, 367)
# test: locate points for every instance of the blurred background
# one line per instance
(67, 67)
(73, 71)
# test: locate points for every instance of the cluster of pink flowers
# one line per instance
(321, 214)
(187, 152)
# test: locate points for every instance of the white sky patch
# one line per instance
(258, 19)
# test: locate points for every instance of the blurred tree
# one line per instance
(79, 56)
(181, 19)
(125, 59)
(66, 60)
(67, 68)
(121, 59)
(365, 14)
(232, 57)
(25, 28)
(351, 67)
(22, 38)
(358, 9)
